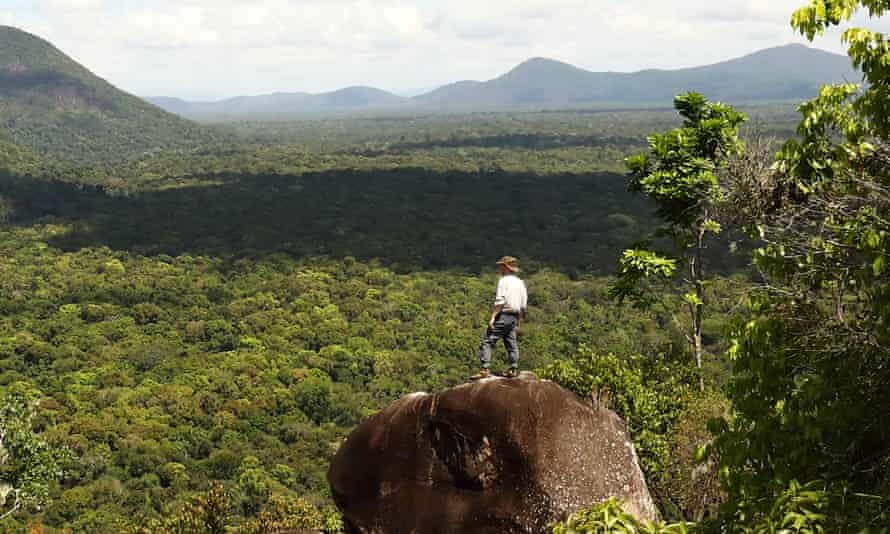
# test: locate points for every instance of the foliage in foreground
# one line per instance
(28, 464)
(811, 382)
(811, 386)
(799, 509)
(609, 518)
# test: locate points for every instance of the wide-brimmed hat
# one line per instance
(510, 263)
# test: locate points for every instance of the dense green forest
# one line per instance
(223, 318)
(227, 317)
(186, 337)
(200, 332)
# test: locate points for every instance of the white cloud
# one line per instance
(75, 4)
(181, 27)
(24, 19)
(749, 11)
(217, 48)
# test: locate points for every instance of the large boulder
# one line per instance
(494, 456)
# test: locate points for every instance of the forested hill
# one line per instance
(792, 72)
(17, 160)
(51, 104)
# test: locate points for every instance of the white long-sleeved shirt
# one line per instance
(511, 294)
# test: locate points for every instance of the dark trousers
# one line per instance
(504, 328)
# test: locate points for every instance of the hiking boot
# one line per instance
(512, 372)
(483, 373)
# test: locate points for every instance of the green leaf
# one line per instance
(879, 264)
(693, 299)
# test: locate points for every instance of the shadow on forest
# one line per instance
(410, 218)
(531, 141)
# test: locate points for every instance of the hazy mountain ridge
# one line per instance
(349, 98)
(787, 72)
(50, 103)
(445, 92)
(781, 73)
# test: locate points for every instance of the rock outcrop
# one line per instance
(494, 456)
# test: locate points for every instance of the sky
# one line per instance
(212, 49)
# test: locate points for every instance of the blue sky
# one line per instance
(209, 49)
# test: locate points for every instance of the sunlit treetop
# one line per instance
(821, 14)
(869, 50)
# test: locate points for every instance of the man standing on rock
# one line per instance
(510, 303)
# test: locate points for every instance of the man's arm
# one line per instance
(520, 314)
(500, 300)
(494, 315)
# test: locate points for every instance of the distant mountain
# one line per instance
(538, 81)
(357, 97)
(237, 105)
(348, 99)
(51, 104)
(787, 72)
(170, 104)
(792, 72)
(448, 92)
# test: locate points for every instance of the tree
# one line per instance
(679, 174)
(869, 51)
(205, 513)
(283, 514)
(313, 395)
(253, 484)
(811, 386)
(28, 464)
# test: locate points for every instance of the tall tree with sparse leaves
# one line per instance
(679, 174)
